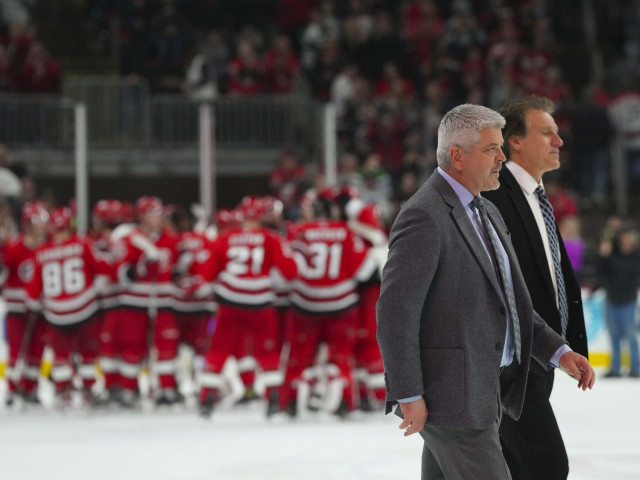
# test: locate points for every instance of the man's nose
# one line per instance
(557, 141)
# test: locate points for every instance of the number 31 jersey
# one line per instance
(63, 281)
(331, 262)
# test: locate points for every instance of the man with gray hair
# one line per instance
(456, 328)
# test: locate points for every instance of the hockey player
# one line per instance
(145, 258)
(63, 287)
(364, 220)
(243, 261)
(332, 260)
(194, 315)
(25, 334)
(114, 221)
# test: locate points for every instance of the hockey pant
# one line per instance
(306, 334)
(368, 360)
(75, 351)
(124, 339)
(16, 327)
(193, 329)
(243, 332)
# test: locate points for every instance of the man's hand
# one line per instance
(415, 416)
(578, 367)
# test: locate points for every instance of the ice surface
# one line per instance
(601, 429)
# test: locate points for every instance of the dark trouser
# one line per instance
(462, 453)
(533, 446)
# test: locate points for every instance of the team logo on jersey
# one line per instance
(26, 270)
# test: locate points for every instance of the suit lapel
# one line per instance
(529, 222)
(461, 219)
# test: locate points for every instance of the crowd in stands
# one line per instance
(25, 64)
(392, 68)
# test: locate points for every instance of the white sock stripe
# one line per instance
(109, 365)
(211, 380)
(61, 373)
(165, 367)
(32, 373)
(375, 380)
(87, 370)
(247, 363)
(272, 378)
(130, 370)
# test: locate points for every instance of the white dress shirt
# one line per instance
(528, 186)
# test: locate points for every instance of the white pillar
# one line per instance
(207, 158)
(330, 145)
(82, 177)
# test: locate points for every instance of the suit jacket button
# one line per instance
(499, 346)
(503, 311)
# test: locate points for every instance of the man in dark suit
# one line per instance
(456, 327)
(533, 445)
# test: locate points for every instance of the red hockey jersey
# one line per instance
(144, 266)
(331, 262)
(63, 281)
(18, 260)
(194, 250)
(246, 263)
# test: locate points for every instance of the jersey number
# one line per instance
(63, 277)
(325, 260)
(242, 259)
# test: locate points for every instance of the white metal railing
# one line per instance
(41, 121)
(124, 113)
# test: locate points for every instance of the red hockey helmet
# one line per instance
(370, 215)
(60, 219)
(273, 205)
(252, 208)
(349, 191)
(328, 193)
(325, 205)
(125, 213)
(107, 210)
(149, 204)
(228, 218)
(33, 212)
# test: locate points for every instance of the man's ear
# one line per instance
(514, 143)
(455, 155)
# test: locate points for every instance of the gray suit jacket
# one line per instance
(441, 316)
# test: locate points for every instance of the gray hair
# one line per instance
(461, 126)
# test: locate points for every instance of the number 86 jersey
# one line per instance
(63, 281)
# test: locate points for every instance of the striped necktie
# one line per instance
(502, 274)
(550, 224)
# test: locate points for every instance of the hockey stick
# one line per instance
(30, 320)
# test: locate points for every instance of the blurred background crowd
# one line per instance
(391, 68)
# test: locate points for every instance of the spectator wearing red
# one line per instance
(281, 66)
(40, 73)
(562, 202)
(388, 129)
(21, 37)
(391, 77)
(287, 183)
(246, 70)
